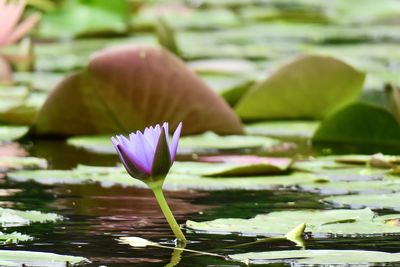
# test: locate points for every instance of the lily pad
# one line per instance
(78, 17)
(229, 169)
(288, 129)
(378, 201)
(212, 141)
(361, 124)
(109, 176)
(187, 144)
(37, 259)
(8, 133)
(318, 257)
(118, 93)
(8, 163)
(14, 237)
(16, 218)
(362, 222)
(312, 86)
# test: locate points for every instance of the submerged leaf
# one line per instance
(117, 92)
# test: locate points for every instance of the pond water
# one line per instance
(96, 216)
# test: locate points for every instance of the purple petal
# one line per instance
(175, 140)
(135, 153)
(133, 159)
(144, 150)
(130, 167)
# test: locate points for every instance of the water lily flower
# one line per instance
(148, 156)
(10, 13)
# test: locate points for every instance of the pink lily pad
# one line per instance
(127, 88)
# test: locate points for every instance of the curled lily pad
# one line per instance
(312, 86)
(360, 124)
(117, 93)
(362, 222)
(318, 257)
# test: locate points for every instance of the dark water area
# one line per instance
(95, 217)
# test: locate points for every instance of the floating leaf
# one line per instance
(16, 163)
(231, 88)
(288, 129)
(361, 124)
(383, 201)
(229, 169)
(187, 144)
(318, 222)
(310, 87)
(318, 257)
(37, 259)
(118, 93)
(15, 218)
(8, 133)
(109, 176)
(14, 237)
(77, 17)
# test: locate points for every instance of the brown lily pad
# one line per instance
(128, 88)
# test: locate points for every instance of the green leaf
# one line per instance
(8, 133)
(108, 97)
(187, 144)
(78, 17)
(14, 237)
(287, 129)
(8, 163)
(381, 201)
(229, 169)
(37, 259)
(311, 87)
(109, 176)
(16, 218)
(361, 124)
(319, 222)
(318, 257)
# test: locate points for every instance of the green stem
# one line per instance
(157, 190)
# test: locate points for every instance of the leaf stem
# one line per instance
(157, 191)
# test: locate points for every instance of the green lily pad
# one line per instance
(231, 88)
(318, 257)
(16, 218)
(8, 133)
(37, 259)
(360, 124)
(288, 129)
(8, 163)
(14, 237)
(229, 169)
(362, 222)
(109, 176)
(312, 86)
(187, 144)
(212, 141)
(384, 201)
(78, 17)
